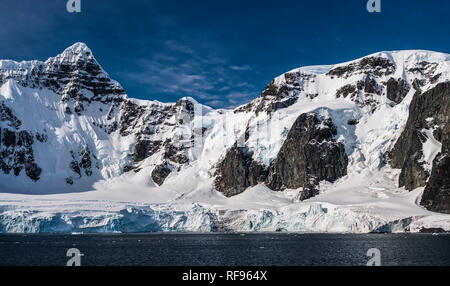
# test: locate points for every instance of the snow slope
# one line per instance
(110, 200)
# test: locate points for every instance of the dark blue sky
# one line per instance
(222, 53)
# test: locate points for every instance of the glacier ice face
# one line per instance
(48, 216)
(122, 219)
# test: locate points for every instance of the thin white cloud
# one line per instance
(181, 70)
(240, 68)
(179, 47)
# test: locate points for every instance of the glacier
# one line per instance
(76, 216)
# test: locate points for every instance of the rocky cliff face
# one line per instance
(279, 95)
(16, 154)
(396, 89)
(16, 146)
(428, 122)
(378, 66)
(436, 196)
(158, 131)
(309, 155)
(238, 171)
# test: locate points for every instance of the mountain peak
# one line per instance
(75, 53)
(77, 48)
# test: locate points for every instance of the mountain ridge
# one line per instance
(68, 119)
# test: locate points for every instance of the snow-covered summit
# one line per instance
(76, 52)
(408, 57)
(79, 55)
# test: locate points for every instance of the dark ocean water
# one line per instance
(225, 249)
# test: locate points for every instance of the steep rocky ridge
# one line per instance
(428, 117)
(428, 122)
(309, 155)
(238, 171)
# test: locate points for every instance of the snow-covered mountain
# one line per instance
(354, 147)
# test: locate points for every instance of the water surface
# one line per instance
(262, 249)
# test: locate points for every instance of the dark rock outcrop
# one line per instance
(433, 230)
(308, 156)
(365, 92)
(145, 148)
(353, 121)
(41, 137)
(346, 90)
(16, 153)
(148, 123)
(370, 85)
(160, 173)
(86, 162)
(81, 161)
(131, 115)
(377, 66)
(436, 196)
(276, 97)
(396, 89)
(7, 115)
(238, 171)
(407, 153)
(175, 152)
